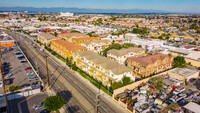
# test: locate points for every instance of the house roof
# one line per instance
(180, 50)
(85, 38)
(149, 59)
(125, 51)
(47, 36)
(69, 46)
(195, 56)
(105, 63)
(96, 42)
(193, 107)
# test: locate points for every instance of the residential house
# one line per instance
(69, 36)
(78, 41)
(46, 38)
(97, 45)
(121, 55)
(65, 48)
(151, 64)
(102, 69)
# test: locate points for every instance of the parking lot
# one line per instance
(16, 69)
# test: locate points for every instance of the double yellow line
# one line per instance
(61, 81)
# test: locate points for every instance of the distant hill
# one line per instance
(80, 10)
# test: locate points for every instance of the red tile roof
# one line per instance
(85, 38)
(149, 59)
(69, 46)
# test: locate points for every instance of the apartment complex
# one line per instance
(102, 69)
(69, 36)
(46, 38)
(65, 48)
(78, 41)
(151, 64)
(121, 55)
(97, 45)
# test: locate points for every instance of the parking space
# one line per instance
(16, 70)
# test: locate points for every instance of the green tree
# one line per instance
(116, 85)
(160, 37)
(127, 45)
(126, 80)
(136, 31)
(194, 43)
(11, 88)
(74, 66)
(55, 34)
(179, 61)
(54, 103)
(74, 31)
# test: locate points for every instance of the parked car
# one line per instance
(41, 49)
(9, 75)
(32, 78)
(35, 83)
(28, 68)
(35, 87)
(177, 91)
(23, 60)
(39, 106)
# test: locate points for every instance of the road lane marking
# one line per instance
(64, 79)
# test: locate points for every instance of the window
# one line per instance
(149, 66)
(158, 62)
(143, 66)
(149, 71)
(166, 60)
(112, 75)
(141, 70)
(155, 64)
(129, 65)
(129, 61)
(101, 69)
(134, 63)
(138, 64)
(144, 71)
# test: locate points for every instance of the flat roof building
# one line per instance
(184, 74)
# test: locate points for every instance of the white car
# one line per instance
(41, 49)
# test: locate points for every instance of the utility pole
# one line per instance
(4, 88)
(48, 81)
(38, 71)
(97, 101)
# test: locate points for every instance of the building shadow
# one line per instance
(18, 106)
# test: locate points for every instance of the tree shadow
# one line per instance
(65, 94)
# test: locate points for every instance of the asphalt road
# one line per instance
(79, 85)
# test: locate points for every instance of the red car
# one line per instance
(28, 68)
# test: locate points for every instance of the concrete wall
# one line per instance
(193, 62)
(20, 94)
(134, 85)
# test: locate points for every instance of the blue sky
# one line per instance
(167, 5)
